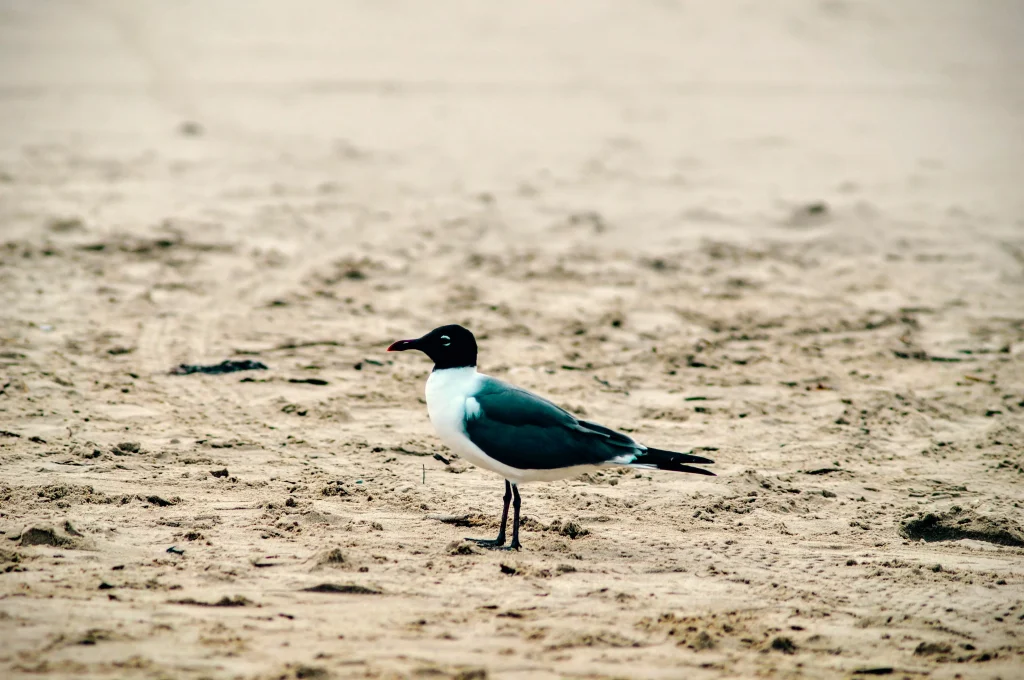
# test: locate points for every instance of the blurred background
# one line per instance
(641, 111)
(435, 135)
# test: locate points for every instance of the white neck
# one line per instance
(451, 383)
(467, 369)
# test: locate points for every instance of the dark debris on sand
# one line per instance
(226, 366)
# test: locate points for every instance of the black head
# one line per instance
(448, 346)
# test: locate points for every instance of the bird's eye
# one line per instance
(445, 340)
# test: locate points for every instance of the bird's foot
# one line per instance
(514, 547)
(491, 543)
(498, 544)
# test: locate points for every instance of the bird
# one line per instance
(519, 435)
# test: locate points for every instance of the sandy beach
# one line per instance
(788, 236)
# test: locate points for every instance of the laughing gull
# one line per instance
(519, 435)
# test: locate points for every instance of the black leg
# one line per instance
(500, 540)
(516, 502)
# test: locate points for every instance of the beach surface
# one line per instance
(788, 236)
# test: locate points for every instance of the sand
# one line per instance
(787, 235)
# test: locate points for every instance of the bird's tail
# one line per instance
(671, 460)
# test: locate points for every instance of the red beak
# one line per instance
(402, 345)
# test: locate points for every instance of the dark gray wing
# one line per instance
(527, 432)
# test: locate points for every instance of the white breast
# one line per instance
(448, 396)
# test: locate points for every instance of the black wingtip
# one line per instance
(674, 461)
(687, 468)
(676, 457)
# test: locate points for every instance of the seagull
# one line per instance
(517, 434)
